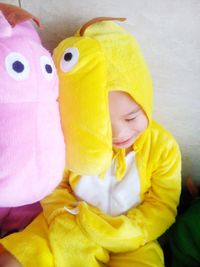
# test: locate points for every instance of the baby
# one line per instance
(111, 219)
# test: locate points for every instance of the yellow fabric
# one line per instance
(83, 252)
(120, 167)
(109, 59)
(159, 165)
(31, 246)
(85, 122)
(150, 255)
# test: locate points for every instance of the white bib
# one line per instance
(109, 195)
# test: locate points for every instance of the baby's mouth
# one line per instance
(121, 142)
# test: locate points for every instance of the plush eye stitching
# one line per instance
(17, 66)
(47, 67)
(69, 59)
(68, 56)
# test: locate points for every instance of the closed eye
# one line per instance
(131, 119)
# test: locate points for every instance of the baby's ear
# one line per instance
(15, 15)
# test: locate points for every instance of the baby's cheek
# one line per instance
(141, 123)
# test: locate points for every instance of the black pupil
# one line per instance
(18, 66)
(68, 56)
(48, 68)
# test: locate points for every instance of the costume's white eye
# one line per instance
(47, 67)
(17, 66)
(69, 59)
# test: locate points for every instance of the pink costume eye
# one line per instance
(17, 66)
(69, 59)
(47, 67)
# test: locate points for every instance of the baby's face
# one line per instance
(128, 120)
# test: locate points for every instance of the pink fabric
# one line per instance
(31, 161)
(32, 150)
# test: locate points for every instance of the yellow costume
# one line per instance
(82, 225)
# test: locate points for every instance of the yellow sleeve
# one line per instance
(69, 243)
(60, 199)
(31, 246)
(148, 220)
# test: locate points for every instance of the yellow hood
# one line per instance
(101, 57)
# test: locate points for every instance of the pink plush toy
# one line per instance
(32, 152)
